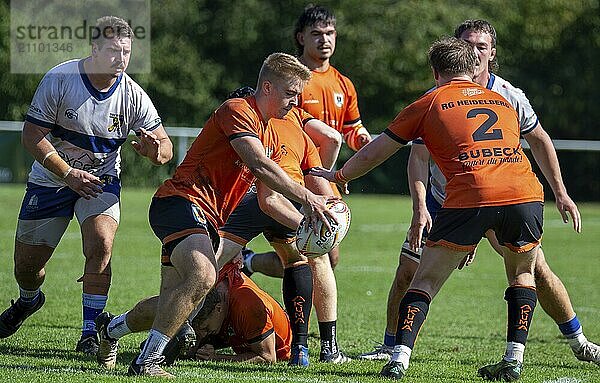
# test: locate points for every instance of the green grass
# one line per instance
(465, 328)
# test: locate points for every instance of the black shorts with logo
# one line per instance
(518, 227)
(175, 218)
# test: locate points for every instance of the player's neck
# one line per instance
(316, 65)
(100, 81)
(482, 79)
(262, 105)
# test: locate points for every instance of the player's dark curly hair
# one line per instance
(242, 92)
(214, 297)
(482, 26)
(312, 15)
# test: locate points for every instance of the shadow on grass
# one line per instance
(281, 367)
(43, 353)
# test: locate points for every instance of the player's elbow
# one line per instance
(334, 139)
(267, 203)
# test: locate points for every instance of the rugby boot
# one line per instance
(589, 352)
(13, 317)
(179, 345)
(299, 356)
(382, 352)
(88, 344)
(334, 357)
(393, 370)
(151, 367)
(505, 370)
(108, 347)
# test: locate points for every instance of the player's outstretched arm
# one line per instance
(156, 145)
(366, 159)
(418, 172)
(545, 155)
(35, 142)
(252, 152)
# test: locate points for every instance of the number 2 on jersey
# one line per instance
(482, 133)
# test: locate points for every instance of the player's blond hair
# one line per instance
(452, 56)
(282, 66)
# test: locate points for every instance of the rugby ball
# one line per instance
(314, 244)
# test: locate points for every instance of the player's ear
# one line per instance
(492, 54)
(300, 38)
(266, 87)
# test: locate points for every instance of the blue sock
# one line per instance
(571, 328)
(93, 305)
(389, 339)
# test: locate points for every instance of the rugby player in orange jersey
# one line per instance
(427, 190)
(278, 223)
(473, 135)
(238, 314)
(187, 209)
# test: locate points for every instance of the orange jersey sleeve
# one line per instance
(331, 97)
(253, 316)
(212, 175)
(473, 135)
(297, 153)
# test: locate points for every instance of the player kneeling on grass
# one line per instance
(238, 314)
(458, 121)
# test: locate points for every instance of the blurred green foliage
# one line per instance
(203, 49)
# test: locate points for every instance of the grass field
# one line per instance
(465, 328)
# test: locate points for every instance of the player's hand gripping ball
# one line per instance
(313, 244)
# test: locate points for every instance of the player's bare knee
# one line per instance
(99, 250)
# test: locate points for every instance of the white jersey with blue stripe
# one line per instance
(528, 120)
(87, 127)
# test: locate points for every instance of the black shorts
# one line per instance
(518, 227)
(247, 222)
(173, 219)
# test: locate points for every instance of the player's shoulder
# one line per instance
(341, 77)
(65, 71)
(237, 104)
(505, 88)
(67, 67)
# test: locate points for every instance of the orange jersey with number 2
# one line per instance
(473, 135)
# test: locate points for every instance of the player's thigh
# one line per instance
(228, 249)
(283, 241)
(460, 229)
(288, 253)
(520, 226)
(245, 223)
(437, 263)
(173, 219)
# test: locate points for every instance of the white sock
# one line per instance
(514, 351)
(117, 328)
(401, 354)
(577, 342)
(153, 349)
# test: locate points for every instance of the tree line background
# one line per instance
(201, 50)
